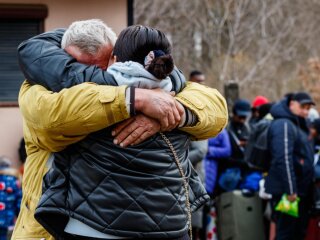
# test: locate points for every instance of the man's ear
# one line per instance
(112, 60)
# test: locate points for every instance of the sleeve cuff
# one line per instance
(130, 97)
(188, 118)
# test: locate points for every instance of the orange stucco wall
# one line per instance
(60, 14)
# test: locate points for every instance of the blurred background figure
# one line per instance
(238, 129)
(197, 76)
(313, 232)
(315, 137)
(264, 110)
(219, 150)
(256, 103)
(313, 115)
(197, 152)
(292, 163)
(10, 196)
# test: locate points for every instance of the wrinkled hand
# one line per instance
(135, 130)
(292, 197)
(159, 105)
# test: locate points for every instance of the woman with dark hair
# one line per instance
(142, 58)
(135, 42)
(145, 191)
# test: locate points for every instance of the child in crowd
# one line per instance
(10, 196)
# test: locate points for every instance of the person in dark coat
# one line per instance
(238, 129)
(291, 170)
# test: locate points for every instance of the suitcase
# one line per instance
(240, 217)
(313, 231)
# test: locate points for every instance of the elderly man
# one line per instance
(77, 111)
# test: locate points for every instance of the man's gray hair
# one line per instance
(88, 35)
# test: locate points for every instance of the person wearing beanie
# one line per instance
(256, 103)
(233, 163)
(238, 129)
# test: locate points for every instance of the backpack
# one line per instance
(257, 154)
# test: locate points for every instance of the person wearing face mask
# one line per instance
(291, 170)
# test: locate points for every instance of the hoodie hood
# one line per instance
(281, 110)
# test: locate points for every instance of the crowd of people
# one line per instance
(121, 146)
(270, 148)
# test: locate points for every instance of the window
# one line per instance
(17, 23)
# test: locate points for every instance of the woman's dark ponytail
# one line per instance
(159, 64)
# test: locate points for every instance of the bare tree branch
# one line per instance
(258, 44)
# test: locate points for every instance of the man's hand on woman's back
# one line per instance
(135, 130)
(159, 105)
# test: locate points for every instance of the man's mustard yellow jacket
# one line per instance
(52, 121)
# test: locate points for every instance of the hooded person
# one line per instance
(291, 170)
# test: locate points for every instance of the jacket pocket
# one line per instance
(107, 98)
(197, 103)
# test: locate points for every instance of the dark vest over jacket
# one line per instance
(134, 192)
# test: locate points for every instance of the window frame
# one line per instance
(15, 12)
